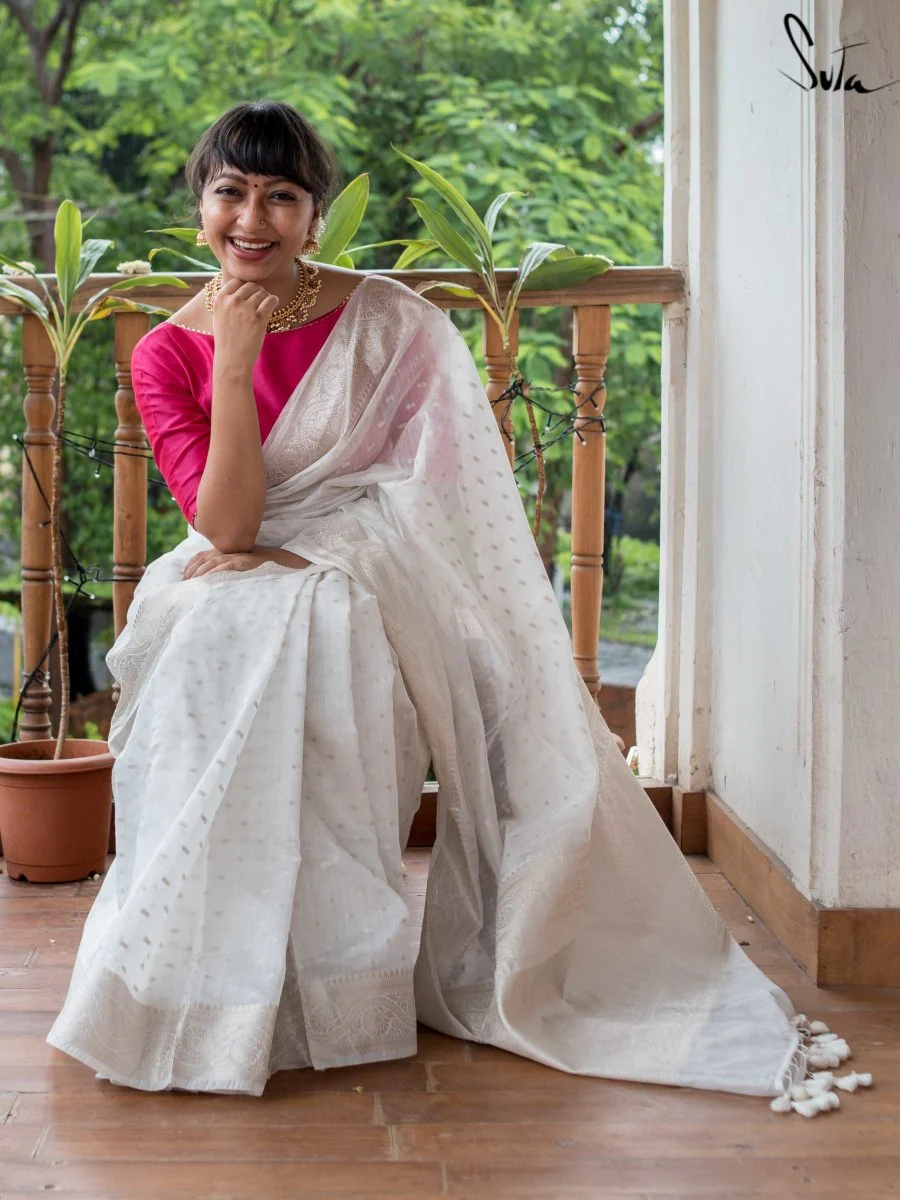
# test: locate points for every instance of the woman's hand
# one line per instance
(208, 561)
(240, 314)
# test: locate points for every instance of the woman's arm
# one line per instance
(231, 497)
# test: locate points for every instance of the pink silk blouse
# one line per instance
(171, 372)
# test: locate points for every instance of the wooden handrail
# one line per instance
(592, 303)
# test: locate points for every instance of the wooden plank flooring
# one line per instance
(458, 1120)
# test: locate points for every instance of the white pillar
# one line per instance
(776, 679)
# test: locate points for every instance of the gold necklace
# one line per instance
(297, 309)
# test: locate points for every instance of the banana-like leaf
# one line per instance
(460, 289)
(195, 262)
(344, 260)
(11, 262)
(416, 249)
(344, 218)
(490, 217)
(91, 252)
(33, 303)
(458, 203)
(183, 233)
(531, 260)
(150, 280)
(67, 236)
(567, 272)
(451, 242)
(114, 304)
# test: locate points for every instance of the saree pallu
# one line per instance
(272, 736)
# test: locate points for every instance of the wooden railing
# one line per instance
(592, 312)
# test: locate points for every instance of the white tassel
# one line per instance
(812, 1108)
(824, 1060)
(849, 1083)
(824, 1050)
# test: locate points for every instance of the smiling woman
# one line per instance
(275, 726)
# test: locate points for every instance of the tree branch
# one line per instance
(639, 129)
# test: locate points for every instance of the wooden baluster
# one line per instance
(590, 343)
(498, 371)
(130, 476)
(37, 550)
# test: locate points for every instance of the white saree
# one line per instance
(272, 738)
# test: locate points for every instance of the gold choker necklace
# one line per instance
(297, 309)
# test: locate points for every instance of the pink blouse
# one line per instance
(171, 372)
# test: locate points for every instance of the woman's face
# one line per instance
(257, 208)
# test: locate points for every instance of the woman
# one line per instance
(359, 593)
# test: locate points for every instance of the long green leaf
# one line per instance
(458, 203)
(33, 303)
(182, 232)
(568, 272)
(113, 305)
(531, 260)
(11, 262)
(91, 252)
(344, 260)
(414, 251)
(195, 262)
(344, 218)
(99, 299)
(490, 217)
(451, 242)
(151, 280)
(460, 289)
(67, 236)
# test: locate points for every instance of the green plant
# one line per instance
(64, 319)
(543, 265)
(7, 714)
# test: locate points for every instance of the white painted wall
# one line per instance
(776, 681)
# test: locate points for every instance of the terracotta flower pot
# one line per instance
(55, 815)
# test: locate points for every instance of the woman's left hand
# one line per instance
(207, 562)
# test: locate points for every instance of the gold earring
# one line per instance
(311, 245)
(201, 238)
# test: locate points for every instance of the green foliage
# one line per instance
(497, 96)
(7, 712)
(634, 571)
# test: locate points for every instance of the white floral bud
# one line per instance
(136, 266)
(19, 268)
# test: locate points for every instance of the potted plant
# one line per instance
(56, 793)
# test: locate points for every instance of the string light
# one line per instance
(85, 574)
(567, 418)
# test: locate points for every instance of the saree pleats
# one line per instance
(272, 737)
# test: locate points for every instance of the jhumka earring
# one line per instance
(201, 238)
(311, 245)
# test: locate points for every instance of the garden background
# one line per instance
(101, 102)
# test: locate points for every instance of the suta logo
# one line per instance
(826, 81)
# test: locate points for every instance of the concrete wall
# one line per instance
(776, 681)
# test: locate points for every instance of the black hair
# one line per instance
(264, 137)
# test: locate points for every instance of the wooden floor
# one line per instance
(459, 1119)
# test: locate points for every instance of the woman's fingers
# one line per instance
(220, 563)
(198, 564)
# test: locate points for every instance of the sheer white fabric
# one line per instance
(271, 741)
